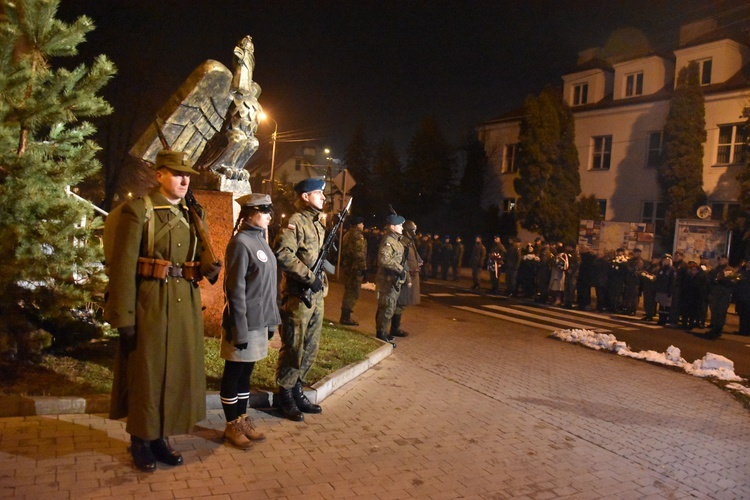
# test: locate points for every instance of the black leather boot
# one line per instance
(346, 318)
(396, 330)
(288, 407)
(143, 459)
(304, 404)
(165, 453)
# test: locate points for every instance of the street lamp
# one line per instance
(264, 116)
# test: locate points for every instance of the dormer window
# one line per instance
(634, 84)
(704, 70)
(580, 94)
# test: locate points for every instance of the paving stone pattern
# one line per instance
(465, 407)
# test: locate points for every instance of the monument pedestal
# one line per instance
(220, 219)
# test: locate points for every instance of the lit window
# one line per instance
(655, 143)
(602, 152)
(580, 94)
(634, 84)
(510, 157)
(732, 140)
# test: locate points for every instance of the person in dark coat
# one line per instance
(648, 285)
(410, 292)
(742, 297)
(586, 277)
(616, 280)
(446, 259)
(693, 290)
(512, 262)
(664, 288)
(680, 267)
(495, 263)
(250, 316)
(478, 256)
(425, 251)
(720, 282)
(457, 258)
(632, 285)
(602, 276)
(437, 255)
(155, 303)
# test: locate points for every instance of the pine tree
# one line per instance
(429, 174)
(681, 175)
(387, 180)
(549, 181)
(358, 160)
(51, 261)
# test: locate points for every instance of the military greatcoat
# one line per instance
(166, 378)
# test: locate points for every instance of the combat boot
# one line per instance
(396, 330)
(143, 458)
(248, 427)
(384, 338)
(288, 406)
(304, 404)
(346, 318)
(234, 434)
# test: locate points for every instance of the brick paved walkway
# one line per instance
(464, 408)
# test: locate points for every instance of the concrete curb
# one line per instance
(25, 406)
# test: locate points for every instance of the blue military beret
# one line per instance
(395, 220)
(311, 184)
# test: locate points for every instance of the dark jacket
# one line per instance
(249, 285)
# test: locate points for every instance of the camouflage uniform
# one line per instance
(297, 248)
(353, 267)
(391, 275)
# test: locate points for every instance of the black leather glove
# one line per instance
(127, 338)
(241, 346)
(212, 272)
(316, 285)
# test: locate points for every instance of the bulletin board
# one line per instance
(696, 236)
(607, 236)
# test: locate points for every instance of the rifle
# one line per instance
(200, 228)
(322, 260)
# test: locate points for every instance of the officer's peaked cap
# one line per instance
(176, 160)
(254, 200)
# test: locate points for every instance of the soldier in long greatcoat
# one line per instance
(155, 303)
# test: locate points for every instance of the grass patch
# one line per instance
(88, 369)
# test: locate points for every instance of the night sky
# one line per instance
(327, 66)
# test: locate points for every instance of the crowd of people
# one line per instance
(673, 292)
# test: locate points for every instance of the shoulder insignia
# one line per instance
(291, 226)
(388, 244)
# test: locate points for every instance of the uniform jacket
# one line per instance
(458, 254)
(478, 255)
(353, 252)
(250, 286)
(410, 295)
(165, 373)
(390, 258)
(297, 248)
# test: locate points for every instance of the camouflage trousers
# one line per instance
(352, 284)
(300, 337)
(387, 307)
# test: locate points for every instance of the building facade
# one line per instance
(620, 105)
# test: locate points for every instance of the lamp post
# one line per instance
(264, 116)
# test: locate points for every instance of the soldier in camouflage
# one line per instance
(297, 247)
(391, 275)
(353, 267)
